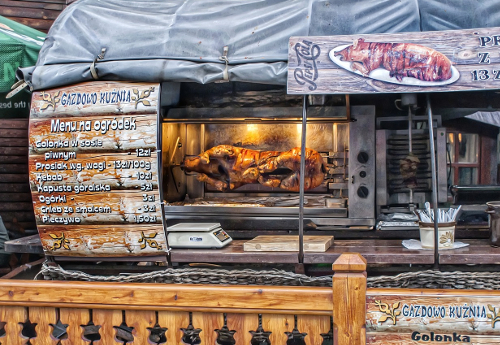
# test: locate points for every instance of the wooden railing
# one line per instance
(65, 312)
(52, 312)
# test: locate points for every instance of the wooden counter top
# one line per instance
(479, 252)
(375, 252)
(233, 253)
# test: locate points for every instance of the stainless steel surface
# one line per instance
(362, 157)
(338, 185)
(484, 188)
(264, 211)
(442, 176)
(393, 145)
(387, 122)
(261, 114)
(328, 134)
(269, 137)
(410, 144)
(434, 181)
(381, 169)
(161, 180)
(283, 222)
(335, 202)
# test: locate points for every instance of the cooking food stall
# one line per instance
(137, 164)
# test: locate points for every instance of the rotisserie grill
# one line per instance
(242, 168)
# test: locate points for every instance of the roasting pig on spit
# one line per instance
(400, 59)
(228, 167)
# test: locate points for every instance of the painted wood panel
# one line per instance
(112, 207)
(469, 61)
(46, 136)
(93, 167)
(429, 338)
(108, 170)
(94, 98)
(103, 240)
(425, 311)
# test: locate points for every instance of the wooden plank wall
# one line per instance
(36, 14)
(16, 207)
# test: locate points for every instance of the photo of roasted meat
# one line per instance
(400, 59)
(408, 169)
(228, 167)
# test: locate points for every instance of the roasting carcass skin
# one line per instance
(400, 59)
(228, 167)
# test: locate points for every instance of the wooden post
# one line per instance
(349, 299)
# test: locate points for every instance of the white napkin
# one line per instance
(417, 245)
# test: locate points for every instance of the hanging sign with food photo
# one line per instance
(455, 60)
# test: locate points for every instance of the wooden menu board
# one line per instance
(455, 60)
(94, 170)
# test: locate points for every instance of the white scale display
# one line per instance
(197, 235)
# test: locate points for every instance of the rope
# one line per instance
(423, 279)
(193, 276)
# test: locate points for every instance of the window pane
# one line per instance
(468, 148)
(467, 176)
(451, 146)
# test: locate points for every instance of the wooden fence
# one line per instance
(65, 312)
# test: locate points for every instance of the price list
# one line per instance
(94, 170)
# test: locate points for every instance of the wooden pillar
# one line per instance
(349, 299)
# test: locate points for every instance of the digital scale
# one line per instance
(197, 235)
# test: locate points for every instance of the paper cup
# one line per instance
(446, 234)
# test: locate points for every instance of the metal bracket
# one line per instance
(99, 57)
(225, 74)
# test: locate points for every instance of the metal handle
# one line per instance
(490, 211)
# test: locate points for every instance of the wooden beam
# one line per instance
(185, 297)
(14, 123)
(26, 12)
(39, 24)
(32, 4)
(349, 294)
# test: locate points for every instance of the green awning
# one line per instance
(19, 47)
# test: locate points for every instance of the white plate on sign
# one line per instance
(383, 75)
